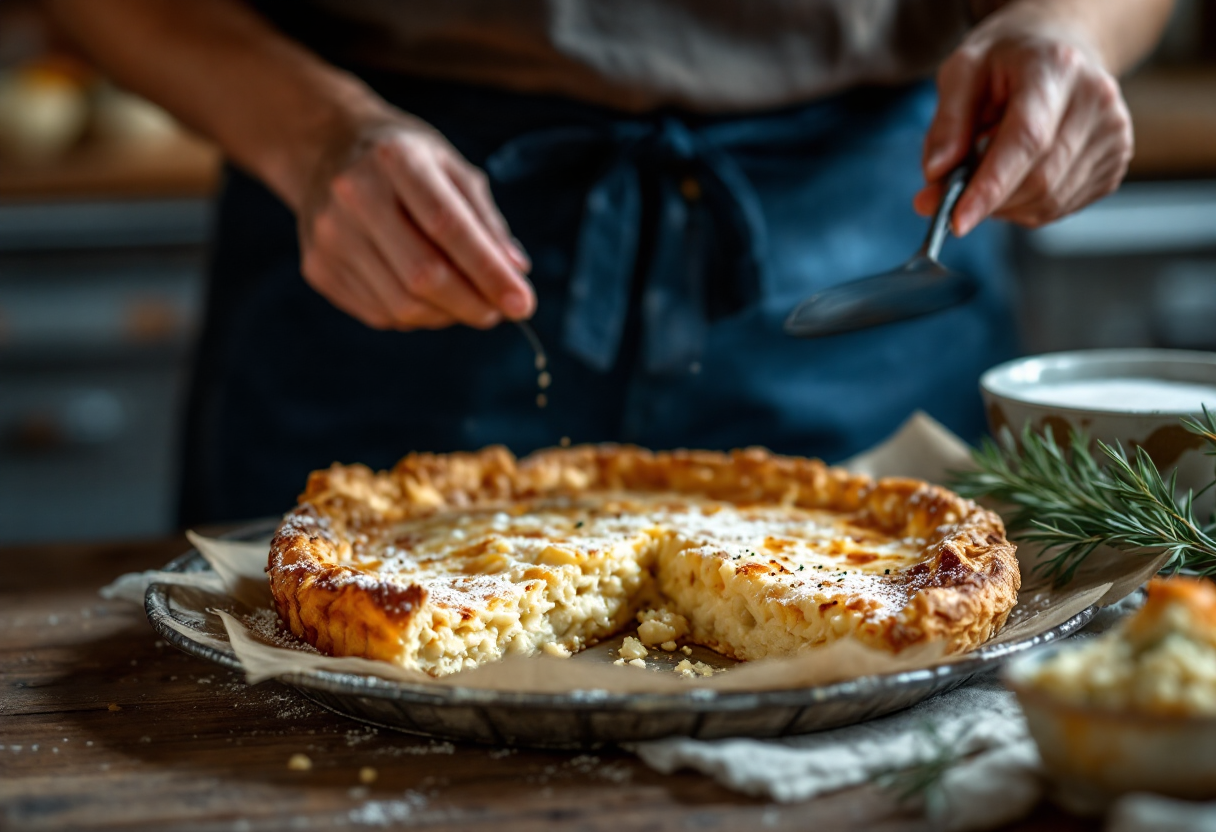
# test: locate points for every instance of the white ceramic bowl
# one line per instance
(1011, 392)
(1093, 756)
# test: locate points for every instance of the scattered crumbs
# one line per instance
(584, 763)
(358, 792)
(387, 812)
(631, 648)
(556, 650)
(500, 753)
(145, 739)
(113, 706)
(299, 762)
(206, 680)
(361, 734)
(656, 626)
(669, 646)
(686, 650)
(88, 742)
(565, 442)
(265, 624)
(590, 765)
(434, 747)
(295, 710)
(159, 643)
(54, 749)
(637, 663)
(689, 669)
(368, 775)
(619, 662)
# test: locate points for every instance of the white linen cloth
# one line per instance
(996, 783)
(1150, 813)
(996, 778)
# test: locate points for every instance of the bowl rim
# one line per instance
(1029, 693)
(996, 381)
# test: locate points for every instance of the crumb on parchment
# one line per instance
(658, 626)
(556, 650)
(632, 649)
(690, 670)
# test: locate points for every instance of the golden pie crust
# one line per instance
(450, 561)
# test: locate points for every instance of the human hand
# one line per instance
(1060, 133)
(398, 230)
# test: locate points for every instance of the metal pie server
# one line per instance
(919, 287)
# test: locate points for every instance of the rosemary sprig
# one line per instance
(1069, 503)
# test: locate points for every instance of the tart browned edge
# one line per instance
(961, 593)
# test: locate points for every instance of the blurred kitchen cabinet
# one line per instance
(1137, 269)
(99, 308)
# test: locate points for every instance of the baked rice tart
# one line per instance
(450, 561)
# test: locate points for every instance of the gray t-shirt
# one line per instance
(706, 55)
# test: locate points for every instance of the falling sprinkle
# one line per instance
(299, 762)
(565, 442)
(542, 361)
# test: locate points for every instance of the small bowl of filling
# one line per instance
(1133, 709)
(1136, 397)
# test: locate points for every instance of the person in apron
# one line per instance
(665, 245)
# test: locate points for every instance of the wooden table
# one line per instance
(103, 725)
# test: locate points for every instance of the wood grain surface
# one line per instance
(104, 726)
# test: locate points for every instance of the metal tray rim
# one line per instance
(159, 613)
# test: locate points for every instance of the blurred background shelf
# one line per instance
(1174, 112)
(180, 165)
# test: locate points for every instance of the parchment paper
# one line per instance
(921, 448)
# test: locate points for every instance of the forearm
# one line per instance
(1120, 32)
(220, 68)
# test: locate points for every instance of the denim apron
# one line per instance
(667, 248)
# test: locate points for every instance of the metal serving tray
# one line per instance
(586, 719)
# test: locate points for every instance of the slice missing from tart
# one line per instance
(451, 561)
